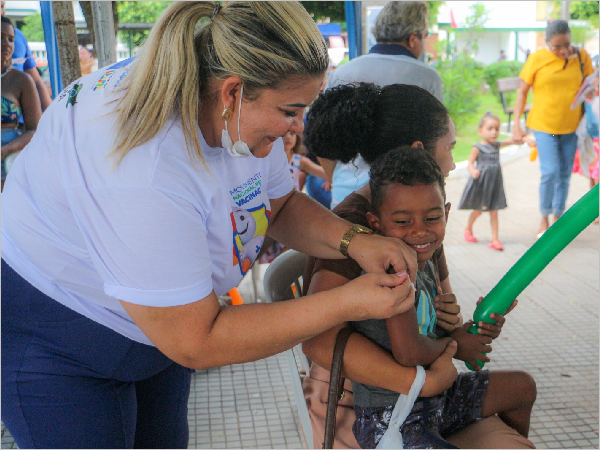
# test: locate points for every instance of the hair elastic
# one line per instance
(215, 11)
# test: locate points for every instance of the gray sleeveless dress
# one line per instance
(485, 193)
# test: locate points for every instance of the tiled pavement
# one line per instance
(553, 334)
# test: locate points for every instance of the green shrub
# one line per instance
(462, 78)
(501, 69)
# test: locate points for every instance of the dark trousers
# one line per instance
(69, 382)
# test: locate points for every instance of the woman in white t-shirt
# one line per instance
(145, 194)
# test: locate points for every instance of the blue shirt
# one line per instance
(22, 53)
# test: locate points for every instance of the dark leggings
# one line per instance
(69, 382)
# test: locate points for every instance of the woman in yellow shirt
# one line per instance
(555, 73)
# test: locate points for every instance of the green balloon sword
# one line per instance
(529, 266)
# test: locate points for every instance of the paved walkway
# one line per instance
(553, 334)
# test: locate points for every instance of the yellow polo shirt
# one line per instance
(554, 88)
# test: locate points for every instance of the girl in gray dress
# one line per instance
(485, 189)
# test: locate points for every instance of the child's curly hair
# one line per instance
(403, 165)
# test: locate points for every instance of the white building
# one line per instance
(513, 26)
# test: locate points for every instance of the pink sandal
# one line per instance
(469, 236)
(496, 245)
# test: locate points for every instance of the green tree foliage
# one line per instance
(32, 28)
(584, 10)
(502, 69)
(587, 11)
(462, 76)
(434, 8)
(139, 12)
(462, 81)
(579, 10)
(323, 10)
(474, 23)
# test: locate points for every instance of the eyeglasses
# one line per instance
(555, 48)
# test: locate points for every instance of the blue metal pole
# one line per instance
(354, 26)
(51, 47)
(349, 11)
(358, 27)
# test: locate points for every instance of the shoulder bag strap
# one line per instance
(336, 385)
(582, 76)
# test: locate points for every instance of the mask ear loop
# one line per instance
(240, 113)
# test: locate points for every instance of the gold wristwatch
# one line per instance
(348, 235)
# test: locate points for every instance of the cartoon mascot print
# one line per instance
(249, 229)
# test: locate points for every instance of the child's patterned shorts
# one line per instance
(431, 419)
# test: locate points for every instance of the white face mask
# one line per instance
(240, 149)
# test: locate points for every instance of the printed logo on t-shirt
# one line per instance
(118, 82)
(105, 78)
(249, 229)
(66, 91)
(73, 93)
(247, 191)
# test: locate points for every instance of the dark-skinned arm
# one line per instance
(409, 347)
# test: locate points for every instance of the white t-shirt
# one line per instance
(155, 230)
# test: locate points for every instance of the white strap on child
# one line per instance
(392, 438)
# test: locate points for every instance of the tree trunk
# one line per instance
(86, 7)
(66, 39)
(106, 42)
(565, 7)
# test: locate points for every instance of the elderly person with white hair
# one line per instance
(400, 31)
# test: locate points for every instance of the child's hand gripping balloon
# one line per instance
(529, 266)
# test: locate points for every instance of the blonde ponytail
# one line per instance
(165, 78)
(262, 43)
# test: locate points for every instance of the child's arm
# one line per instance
(512, 141)
(472, 347)
(306, 165)
(409, 347)
(471, 163)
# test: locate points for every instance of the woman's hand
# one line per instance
(447, 311)
(376, 253)
(472, 347)
(493, 329)
(475, 173)
(377, 296)
(441, 373)
(518, 134)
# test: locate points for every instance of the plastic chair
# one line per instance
(283, 273)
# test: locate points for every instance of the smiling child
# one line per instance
(408, 201)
